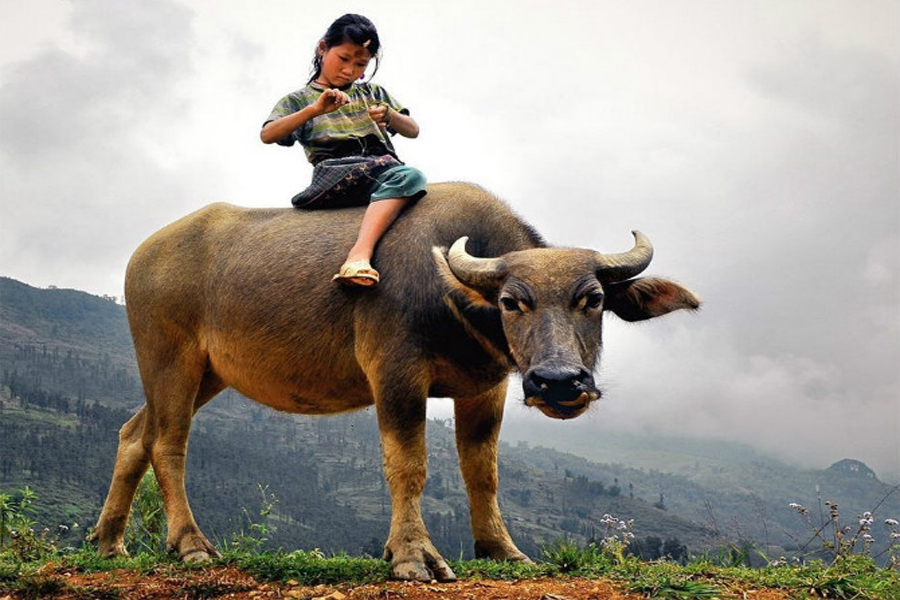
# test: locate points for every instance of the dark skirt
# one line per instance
(341, 182)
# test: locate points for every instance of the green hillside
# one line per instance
(68, 381)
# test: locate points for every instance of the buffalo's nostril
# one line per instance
(562, 385)
(538, 384)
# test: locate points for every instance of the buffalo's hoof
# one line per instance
(194, 548)
(113, 551)
(107, 549)
(109, 543)
(417, 560)
(416, 571)
(502, 550)
(196, 556)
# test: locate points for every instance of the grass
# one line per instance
(311, 567)
(24, 556)
(855, 578)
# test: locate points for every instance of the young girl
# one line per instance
(343, 125)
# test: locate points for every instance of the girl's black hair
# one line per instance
(349, 28)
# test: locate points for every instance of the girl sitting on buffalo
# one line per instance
(343, 125)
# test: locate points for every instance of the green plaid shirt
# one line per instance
(321, 134)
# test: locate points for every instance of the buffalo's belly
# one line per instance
(305, 401)
(291, 381)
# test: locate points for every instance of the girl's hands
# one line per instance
(381, 114)
(331, 100)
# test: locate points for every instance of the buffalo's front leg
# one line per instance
(477, 431)
(401, 419)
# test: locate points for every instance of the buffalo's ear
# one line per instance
(478, 297)
(647, 297)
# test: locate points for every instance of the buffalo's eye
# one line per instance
(509, 304)
(593, 301)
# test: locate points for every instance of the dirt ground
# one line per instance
(229, 583)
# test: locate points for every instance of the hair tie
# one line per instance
(366, 43)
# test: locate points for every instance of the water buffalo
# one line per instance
(233, 297)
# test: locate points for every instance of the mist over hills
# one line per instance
(69, 381)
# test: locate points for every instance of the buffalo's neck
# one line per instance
(465, 342)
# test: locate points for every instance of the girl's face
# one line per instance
(343, 64)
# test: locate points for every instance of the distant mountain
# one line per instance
(67, 342)
(729, 487)
(69, 381)
(65, 316)
(853, 468)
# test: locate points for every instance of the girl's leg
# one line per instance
(378, 218)
(395, 188)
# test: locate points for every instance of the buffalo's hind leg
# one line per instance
(176, 398)
(141, 441)
(132, 460)
(477, 431)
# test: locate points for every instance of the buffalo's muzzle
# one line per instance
(559, 391)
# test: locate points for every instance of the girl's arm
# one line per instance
(328, 101)
(385, 116)
(405, 125)
(283, 127)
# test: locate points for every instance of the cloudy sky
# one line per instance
(756, 143)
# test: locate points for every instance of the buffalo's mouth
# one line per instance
(559, 392)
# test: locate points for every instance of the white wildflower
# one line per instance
(799, 508)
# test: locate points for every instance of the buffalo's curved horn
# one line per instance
(619, 267)
(479, 273)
